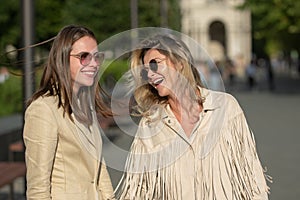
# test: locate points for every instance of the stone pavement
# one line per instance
(275, 121)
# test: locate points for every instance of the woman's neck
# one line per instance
(184, 107)
(186, 111)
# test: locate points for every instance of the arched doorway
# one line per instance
(217, 33)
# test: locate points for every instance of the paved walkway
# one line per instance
(275, 120)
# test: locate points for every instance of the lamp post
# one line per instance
(134, 22)
(27, 8)
(134, 13)
(28, 34)
(164, 13)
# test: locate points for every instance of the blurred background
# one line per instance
(254, 44)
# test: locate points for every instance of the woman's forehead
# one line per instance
(85, 43)
(153, 54)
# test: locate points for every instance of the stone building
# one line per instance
(219, 27)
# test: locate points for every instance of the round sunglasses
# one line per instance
(153, 67)
(85, 58)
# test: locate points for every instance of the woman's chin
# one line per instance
(162, 91)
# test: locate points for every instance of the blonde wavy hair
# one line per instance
(146, 96)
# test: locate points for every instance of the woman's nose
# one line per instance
(93, 62)
(151, 73)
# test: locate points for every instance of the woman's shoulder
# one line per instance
(44, 102)
(223, 95)
(47, 99)
(226, 101)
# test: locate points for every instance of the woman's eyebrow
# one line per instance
(160, 59)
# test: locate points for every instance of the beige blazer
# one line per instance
(62, 157)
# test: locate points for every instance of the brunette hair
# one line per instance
(56, 79)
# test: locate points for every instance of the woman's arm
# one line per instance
(250, 151)
(247, 161)
(105, 185)
(40, 138)
(246, 174)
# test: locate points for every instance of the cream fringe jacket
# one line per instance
(218, 162)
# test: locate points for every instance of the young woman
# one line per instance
(61, 133)
(192, 142)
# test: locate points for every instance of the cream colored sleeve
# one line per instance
(105, 185)
(260, 187)
(40, 138)
(248, 165)
(258, 172)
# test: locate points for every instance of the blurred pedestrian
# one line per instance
(4, 74)
(231, 72)
(61, 132)
(251, 74)
(270, 74)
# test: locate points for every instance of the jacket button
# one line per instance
(92, 182)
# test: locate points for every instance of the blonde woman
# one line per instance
(192, 142)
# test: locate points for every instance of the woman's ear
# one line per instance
(180, 66)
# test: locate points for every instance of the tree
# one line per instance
(10, 24)
(276, 24)
(48, 18)
(105, 18)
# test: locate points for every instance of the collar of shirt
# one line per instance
(170, 120)
(209, 104)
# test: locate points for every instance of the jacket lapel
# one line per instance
(89, 138)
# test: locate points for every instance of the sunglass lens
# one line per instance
(85, 58)
(99, 57)
(144, 74)
(153, 65)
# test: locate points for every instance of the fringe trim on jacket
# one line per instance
(230, 170)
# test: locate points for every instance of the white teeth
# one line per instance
(158, 81)
(89, 73)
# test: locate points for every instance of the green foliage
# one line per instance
(113, 70)
(10, 22)
(278, 15)
(150, 10)
(105, 18)
(174, 15)
(276, 21)
(11, 100)
(48, 18)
